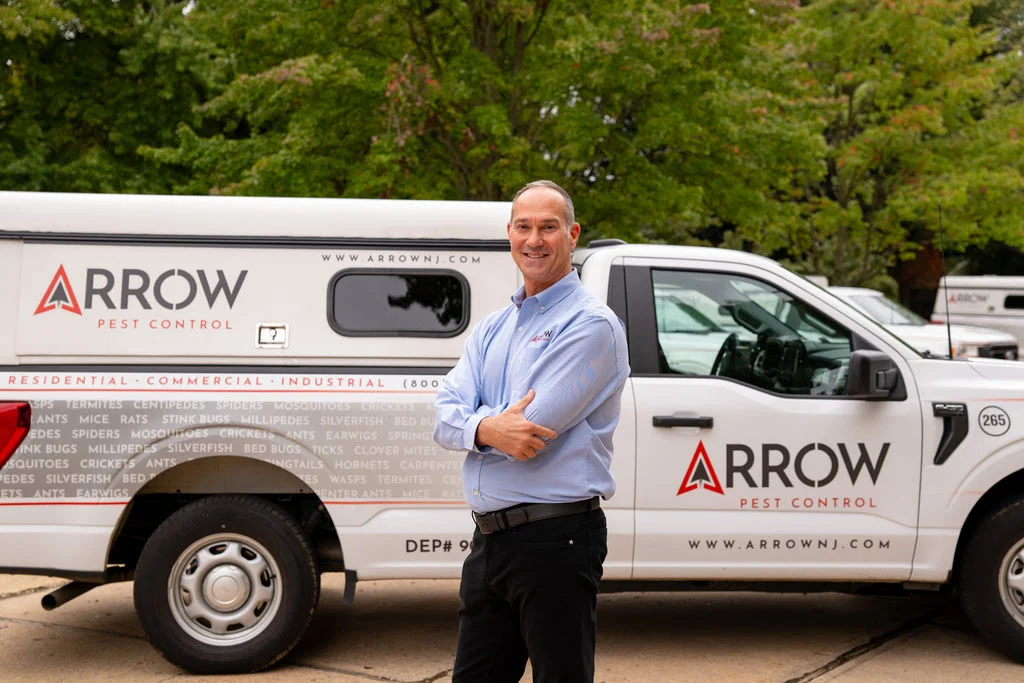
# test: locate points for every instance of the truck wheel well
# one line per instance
(175, 488)
(1009, 488)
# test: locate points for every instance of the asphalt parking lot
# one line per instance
(405, 631)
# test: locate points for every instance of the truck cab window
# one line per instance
(398, 303)
(718, 324)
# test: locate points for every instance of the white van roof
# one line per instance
(984, 281)
(38, 213)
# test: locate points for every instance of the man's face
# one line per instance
(541, 241)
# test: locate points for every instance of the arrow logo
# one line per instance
(700, 474)
(59, 295)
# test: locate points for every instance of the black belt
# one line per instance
(489, 522)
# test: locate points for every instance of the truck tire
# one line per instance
(991, 581)
(227, 584)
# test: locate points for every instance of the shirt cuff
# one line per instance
(469, 436)
(469, 433)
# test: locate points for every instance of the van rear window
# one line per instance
(1015, 301)
(398, 303)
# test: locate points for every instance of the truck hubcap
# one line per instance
(1011, 583)
(224, 589)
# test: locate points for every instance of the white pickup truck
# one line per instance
(929, 339)
(222, 398)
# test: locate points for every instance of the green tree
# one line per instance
(297, 112)
(84, 83)
(664, 118)
(824, 134)
(922, 109)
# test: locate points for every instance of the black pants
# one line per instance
(531, 592)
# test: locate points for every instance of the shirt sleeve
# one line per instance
(582, 366)
(457, 408)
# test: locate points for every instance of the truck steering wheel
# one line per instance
(726, 355)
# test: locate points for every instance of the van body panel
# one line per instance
(349, 437)
(80, 300)
(992, 301)
(10, 272)
(67, 539)
(410, 542)
(132, 216)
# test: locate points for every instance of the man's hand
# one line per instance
(512, 433)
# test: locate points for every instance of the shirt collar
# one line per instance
(553, 294)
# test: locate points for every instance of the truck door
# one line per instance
(753, 463)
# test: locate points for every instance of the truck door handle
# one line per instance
(676, 421)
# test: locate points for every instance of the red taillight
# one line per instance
(15, 420)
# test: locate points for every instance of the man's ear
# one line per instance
(574, 235)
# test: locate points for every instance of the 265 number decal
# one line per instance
(994, 421)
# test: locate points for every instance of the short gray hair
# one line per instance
(570, 213)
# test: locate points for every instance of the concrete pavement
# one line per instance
(405, 631)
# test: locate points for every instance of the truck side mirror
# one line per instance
(872, 375)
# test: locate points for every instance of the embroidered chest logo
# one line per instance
(539, 339)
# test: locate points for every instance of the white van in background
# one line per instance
(935, 340)
(993, 301)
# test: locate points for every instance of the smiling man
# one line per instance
(534, 401)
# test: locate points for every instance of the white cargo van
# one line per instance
(222, 398)
(993, 301)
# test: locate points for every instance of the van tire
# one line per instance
(993, 555)
(226, 585)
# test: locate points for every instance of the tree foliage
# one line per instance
(919, 113)
(664, 118)
(85, 83)
(825, 133)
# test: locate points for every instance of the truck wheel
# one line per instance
(992, 580)
(227, 584)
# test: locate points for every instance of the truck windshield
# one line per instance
(887, 312)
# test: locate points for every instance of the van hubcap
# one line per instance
(224, 589)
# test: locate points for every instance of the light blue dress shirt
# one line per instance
(570, 348)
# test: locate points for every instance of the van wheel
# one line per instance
(992, 580)
(227, 584)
